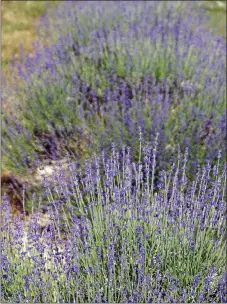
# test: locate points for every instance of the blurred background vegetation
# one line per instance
(18, 26)
(217, 12)
(19, 19)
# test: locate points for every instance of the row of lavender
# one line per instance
(131, 227)
(111, 68)
(113, 239)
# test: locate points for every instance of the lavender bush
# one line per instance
(110, 238)
(112, 67)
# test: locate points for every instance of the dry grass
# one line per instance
(18, 27)
(217, 12)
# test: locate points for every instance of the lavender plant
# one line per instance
(111, 237)
(111, 68)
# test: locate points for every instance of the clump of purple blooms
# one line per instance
(111, 67)
(113, 237)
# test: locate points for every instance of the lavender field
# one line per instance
(114, 158)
